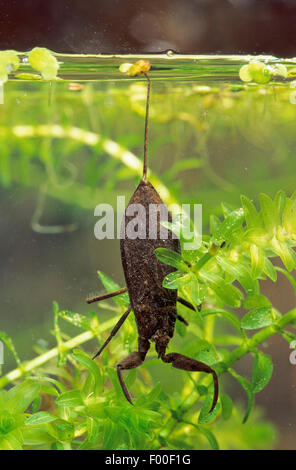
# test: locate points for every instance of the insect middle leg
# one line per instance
(133, 360)
(114, 331)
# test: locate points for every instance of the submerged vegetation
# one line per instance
(218, 138)
(66, 400)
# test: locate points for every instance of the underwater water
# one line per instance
(71, 144)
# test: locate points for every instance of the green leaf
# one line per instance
(269, 270)
(289, 214)
(149, 398)
(253, 219)
(61, 430)
(76, 319)
(21, 396)
(62, 356)
(90, 365)
(248, 389)
(181, 329)
(204, 416)
(257, 260)
(208, 435)
(268, 212)
(279, 204)
(41, 417)
(215, 223)
(256, 301)
(258, 318)
(172, 258)
(286, 253)
(13, 441)
(262, 371)
(229, 225)
(240, 271)
(259, 72)
(72, 398)
(279, 70)
(227, 406)
(224, 313)
(93, 435)
(175, 280)
(201, 350)
(111, 286)
(42, 60)
(198, 290)
(228, 293)
(244, 73)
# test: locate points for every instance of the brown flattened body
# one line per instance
(153, 305)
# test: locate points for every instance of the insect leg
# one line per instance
(187, 304)
(186, 363)
(114, 331)
(90, 300)
(180, 318)
(134, 359)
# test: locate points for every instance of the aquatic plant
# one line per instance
(61, 399)
(79, 404)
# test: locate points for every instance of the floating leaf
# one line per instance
(41, 59)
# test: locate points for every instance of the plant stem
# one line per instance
(91, 139)
(52, 353)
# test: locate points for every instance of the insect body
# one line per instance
(154, 306)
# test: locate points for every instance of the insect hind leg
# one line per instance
(186, 363)
(133, 360)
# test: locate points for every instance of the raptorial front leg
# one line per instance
(133, 360)
(186, 363)
(98, 298)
